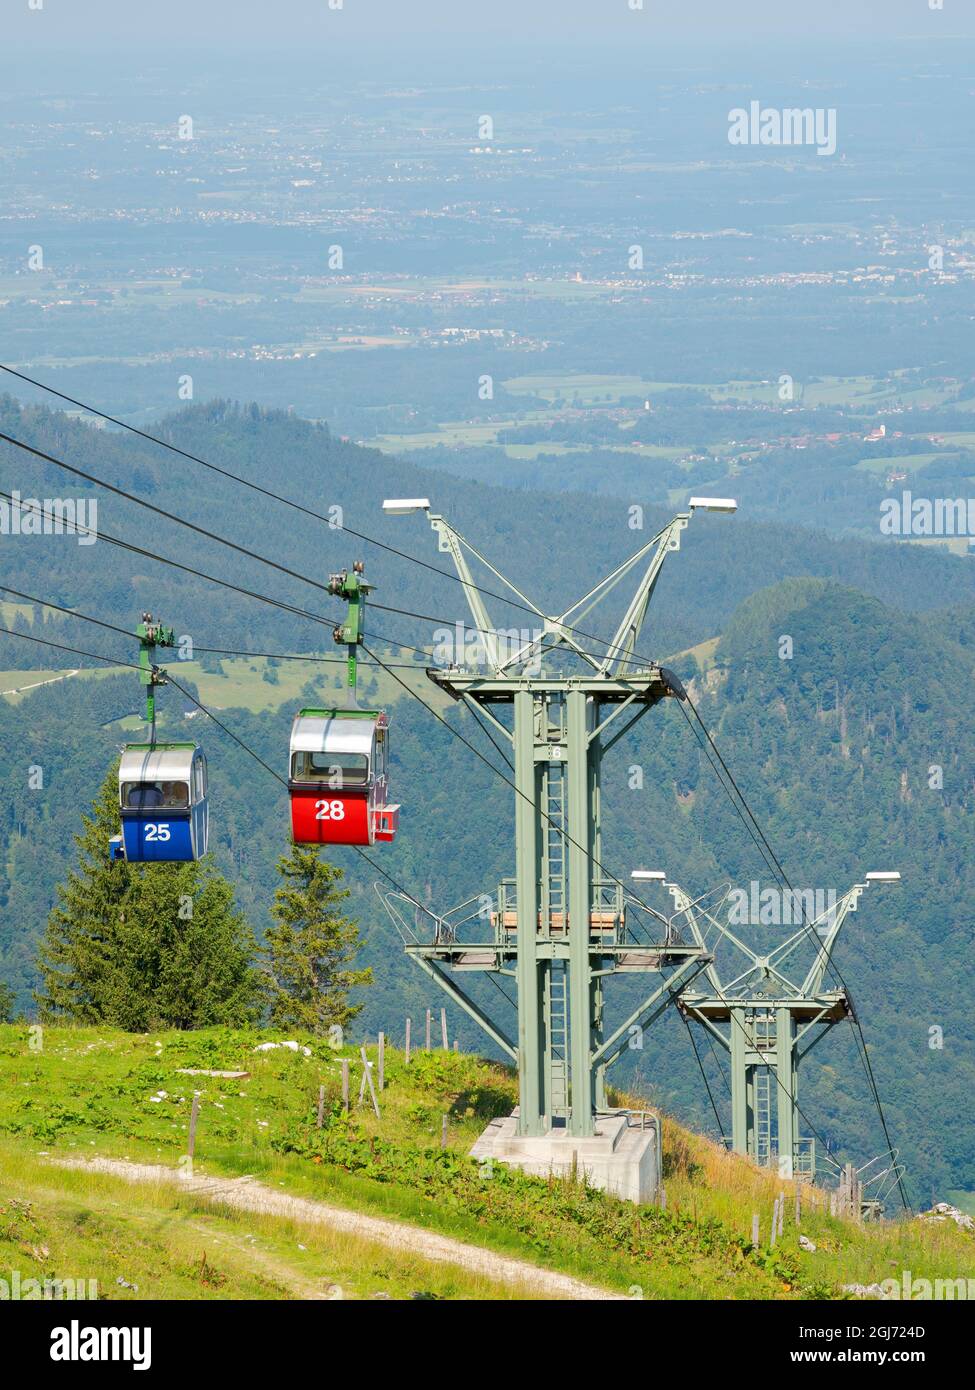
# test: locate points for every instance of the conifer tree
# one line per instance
(311, 945)
(142, 946)
(79, 957)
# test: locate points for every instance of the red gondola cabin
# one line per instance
(338, 779)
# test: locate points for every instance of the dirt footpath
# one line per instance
(245, 1194)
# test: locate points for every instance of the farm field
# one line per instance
(256, 685)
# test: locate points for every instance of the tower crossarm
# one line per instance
(686, 907)
(770, 966)
(453, 543)
(559, 631)
(627, 635)
(835, 915)
(813, 982)
(760, 966)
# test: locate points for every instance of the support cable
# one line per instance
(266, 492)
(298, 612)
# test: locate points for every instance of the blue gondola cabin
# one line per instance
(338, 778)
(162, 803)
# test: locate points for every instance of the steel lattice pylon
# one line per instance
(772, 1022)
(559, 927)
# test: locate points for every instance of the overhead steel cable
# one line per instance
(163, 512)
(207, 534)
(210, 651)
(267, 492)
(324, 619)
(246, 482)
(315, 660)
(46, 603)
(227, 473)
(190, 569)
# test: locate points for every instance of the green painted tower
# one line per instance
(563, 928)
(767, 1022)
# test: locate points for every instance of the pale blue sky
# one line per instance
(298, 22)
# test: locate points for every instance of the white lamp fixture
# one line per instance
(713, 504)
(885, 877)
(402, 506)
(648, 875)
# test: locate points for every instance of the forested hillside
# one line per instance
(527, 534)
(834, 746)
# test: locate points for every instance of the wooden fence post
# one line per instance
(345, 1084)
(367, 1080)
(755, 1229)
(428, 1029)
(443, 1131)
(321, 1106)
(194, 1114)
(443, 1029)
(408, 1022)
(382, 1061)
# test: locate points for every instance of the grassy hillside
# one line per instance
(68, 1094)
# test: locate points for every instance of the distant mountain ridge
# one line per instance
(527, 534)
